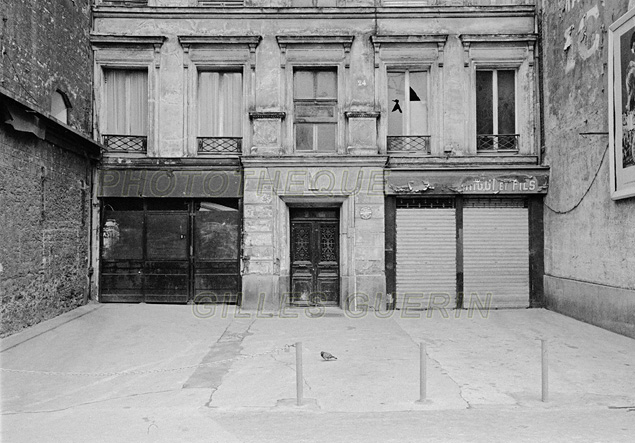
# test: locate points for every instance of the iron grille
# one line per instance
(497, 143)
(126, 143)
(219, 145)
(222, 3)
(126, 2)
(409, 143)
(495, 203)
(427, 203)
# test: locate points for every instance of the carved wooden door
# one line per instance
(315, 256)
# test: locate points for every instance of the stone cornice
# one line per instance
(498, 38)
(409, 39)
(101, 40)
(195, 12)
(345, 40)
(219, 39)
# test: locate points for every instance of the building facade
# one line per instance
(362, 153)
(589, 258)
(47, 158)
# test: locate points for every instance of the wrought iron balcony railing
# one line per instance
(126, 143)
(220, 145)
(409, 143)
(497, 142)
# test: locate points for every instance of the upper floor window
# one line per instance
(126, 103)
(408, 111)
(220, 111)
(496, 110)
(315, 109)
(59, 106)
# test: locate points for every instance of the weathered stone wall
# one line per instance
(44, 187)
(44, 229)
(46, 48)
(589, 238)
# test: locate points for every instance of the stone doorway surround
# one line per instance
(272, 186)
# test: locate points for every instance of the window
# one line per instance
(496, 110)
(126, 102)
(408, 111)
(59, 106)
(220, 111)
(315, 110)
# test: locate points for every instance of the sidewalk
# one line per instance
(182, 373)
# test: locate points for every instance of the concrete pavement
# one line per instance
(186, 373)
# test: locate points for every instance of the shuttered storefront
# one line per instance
(496, 252)
(425, 253)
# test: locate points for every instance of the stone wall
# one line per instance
(589, 238)
(44, 184)
(44, 225)
(46, 48)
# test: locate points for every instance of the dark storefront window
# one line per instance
(170, 250)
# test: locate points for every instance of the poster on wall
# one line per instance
(622, 106)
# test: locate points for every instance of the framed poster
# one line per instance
(622, 106)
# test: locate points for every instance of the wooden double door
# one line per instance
(315, 252)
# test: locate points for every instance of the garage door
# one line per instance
(425, 253)
(496, 252)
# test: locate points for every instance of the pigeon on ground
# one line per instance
(327, 356)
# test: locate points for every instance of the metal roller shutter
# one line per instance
(426, 253)
(496, 252)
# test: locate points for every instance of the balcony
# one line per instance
(137, 144)
(219, 145)
(416, 144)
(502, 143)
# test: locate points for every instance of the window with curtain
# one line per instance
(315, 110)
(220, 104)
(126, 102)
(496, 109)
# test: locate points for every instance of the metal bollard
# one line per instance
(422, 372)
(299, 379)
(545, 371)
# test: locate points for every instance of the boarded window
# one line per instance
(126, 102)
(220, 104)
(315, 110)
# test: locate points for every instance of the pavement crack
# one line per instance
(87, 403)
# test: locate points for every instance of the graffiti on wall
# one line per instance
(584, 40)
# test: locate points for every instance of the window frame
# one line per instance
(127, 52)
(495, 111)
(217, 53)
(504, 52)
(314, 52)
(424, 52)
(196, 115)
(316, 101)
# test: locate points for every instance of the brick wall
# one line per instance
(44, 226)
(45, 48)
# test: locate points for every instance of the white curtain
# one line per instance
(220, 100)
(126, 102)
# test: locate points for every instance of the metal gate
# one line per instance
(170, 250)
(496, 253)
(425, 253)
